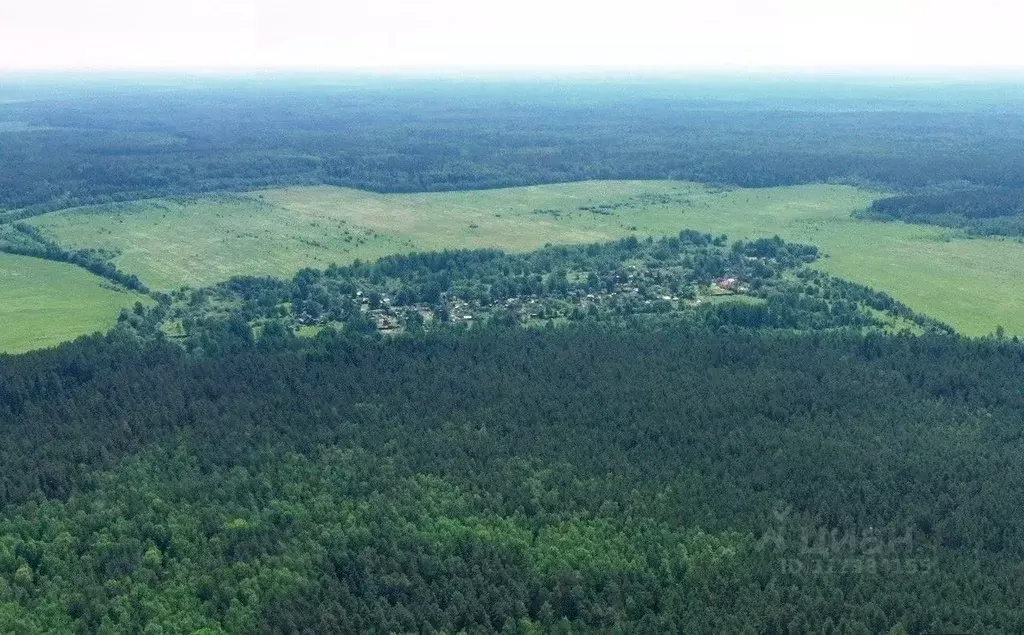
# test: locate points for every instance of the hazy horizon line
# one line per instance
(908, 73)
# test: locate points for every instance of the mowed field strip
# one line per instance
(43, 303)
(974, 284)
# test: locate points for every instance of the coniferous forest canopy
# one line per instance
(983, 211)
(68, 143)
(658, 478)
(688, 433)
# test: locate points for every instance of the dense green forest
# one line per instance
(770, 462)
(661, 478)
(985, 211)
(67, 144)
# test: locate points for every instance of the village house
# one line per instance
(727, 284)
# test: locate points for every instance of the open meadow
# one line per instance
(974, 284)
(43, 303)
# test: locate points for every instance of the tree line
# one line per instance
(982, 211)
(25, 240)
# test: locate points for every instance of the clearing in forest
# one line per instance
(974, 284)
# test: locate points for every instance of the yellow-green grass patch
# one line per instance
(44, 303)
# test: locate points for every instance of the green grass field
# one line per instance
(43, 303)
(975, 284)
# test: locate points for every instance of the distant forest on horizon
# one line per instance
(74, 141)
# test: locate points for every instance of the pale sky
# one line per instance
(495, 34)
